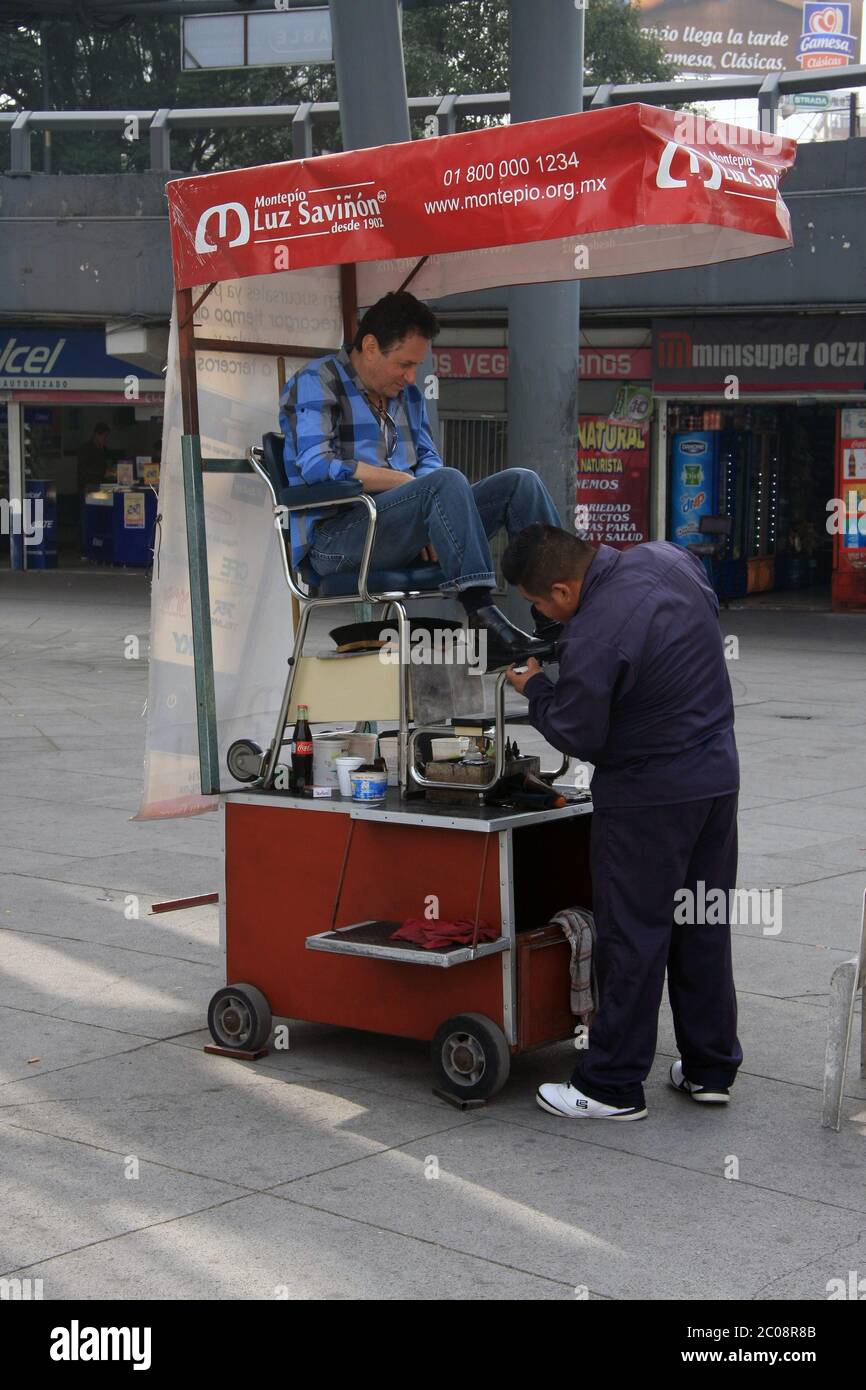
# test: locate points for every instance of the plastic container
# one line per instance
(345, 767)
(369, 786)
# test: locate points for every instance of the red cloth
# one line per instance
(435, 933)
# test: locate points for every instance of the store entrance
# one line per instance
(89, 471)
(769, 469)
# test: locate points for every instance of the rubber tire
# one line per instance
(240, 748)
(495, 1049)
(260, 1018)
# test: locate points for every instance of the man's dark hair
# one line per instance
(394, 316)
(101, 428)
(541, 556)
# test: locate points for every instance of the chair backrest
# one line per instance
(272, 460)
(716, 525)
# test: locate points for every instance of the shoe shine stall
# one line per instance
(270, 267)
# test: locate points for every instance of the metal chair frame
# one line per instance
(393, 600)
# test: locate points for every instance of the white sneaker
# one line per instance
(708, 1095)
(564, 1099)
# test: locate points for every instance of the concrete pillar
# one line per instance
(371, 79)
(544, 320)
(371, 84)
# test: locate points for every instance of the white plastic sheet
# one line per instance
(251, 624)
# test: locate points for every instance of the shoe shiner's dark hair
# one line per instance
(541, 556)
(393, 317)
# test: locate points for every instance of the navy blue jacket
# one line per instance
(643, 689)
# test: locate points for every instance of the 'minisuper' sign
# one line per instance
(778, 353)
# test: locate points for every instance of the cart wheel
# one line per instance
(471, 1057)
(239, 1016)
(244, 760)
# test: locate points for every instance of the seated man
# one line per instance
(358, 414)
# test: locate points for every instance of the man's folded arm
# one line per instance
(574, 714)
(316, 417)
(425, 449)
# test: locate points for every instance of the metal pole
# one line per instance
(196, 542)
(544, 320)
(371, 82)
(199, 603)
(17, 484)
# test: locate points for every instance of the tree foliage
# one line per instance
(135, 65)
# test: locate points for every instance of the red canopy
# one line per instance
(606, 192)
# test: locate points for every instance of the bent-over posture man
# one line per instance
(643, 693)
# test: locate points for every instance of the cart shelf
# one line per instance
(373, 939)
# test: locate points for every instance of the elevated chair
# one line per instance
(390, 587)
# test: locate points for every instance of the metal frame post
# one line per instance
(17, 485)
(196, 544)
(302, 131)
(19, 144)
(199, 598)
(160, 140)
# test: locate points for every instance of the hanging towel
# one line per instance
(578, 926)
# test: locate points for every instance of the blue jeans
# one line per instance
(442, 509)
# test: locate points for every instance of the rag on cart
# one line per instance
(435, 933)
(578, 925)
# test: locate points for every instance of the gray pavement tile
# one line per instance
(87, 982)
(773, 1129)
(41, 822)
(760, 834)
(165, 873)
(838, 1275)
(318, 1052)
(263, 1247)
(786, 867)
(78, 912)
(810, 918)
(839, 890)
(205, 1115)
(825, 813)
(57, 1196)
(30, 861)
(776, 966)
(782, 1040)
(33, 1044)
(578, 1209)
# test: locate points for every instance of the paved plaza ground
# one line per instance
(306, 1173)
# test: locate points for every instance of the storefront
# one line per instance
(613, 494)
(57, 386)
(753, 419)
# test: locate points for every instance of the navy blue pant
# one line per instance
(640, 858)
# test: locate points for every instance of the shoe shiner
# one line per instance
(643, 694)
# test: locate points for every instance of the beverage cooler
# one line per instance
(728, 473)
(849, 548)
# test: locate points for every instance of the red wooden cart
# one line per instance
(313, 889)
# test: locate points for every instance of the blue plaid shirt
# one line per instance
(330, 426)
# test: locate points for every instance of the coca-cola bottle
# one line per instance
(302, 752)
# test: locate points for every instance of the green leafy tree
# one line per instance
(135, 65)
(463, 47)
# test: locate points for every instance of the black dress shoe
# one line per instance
(508, 645)
(548, 629)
